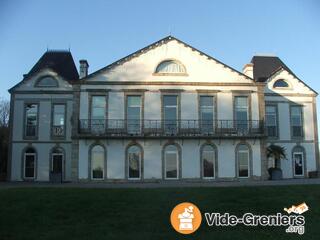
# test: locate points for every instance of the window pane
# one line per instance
(170, 66)
(243, 163)
(31, 119)
(298, 163)
(171, 161)
(59, 112)
(29, 165)
(134, 113)
(98, 109)
(97, 162)
(170, 100)
(208, 162)
(134, 155)
(271, 121)
(296, 121)
(47, 82)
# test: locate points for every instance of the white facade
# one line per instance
(150, 136)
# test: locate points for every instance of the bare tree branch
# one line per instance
(4, 112)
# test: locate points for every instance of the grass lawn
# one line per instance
(63, 213)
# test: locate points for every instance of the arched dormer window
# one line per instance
(47, 81)
(168, 67)
(280, 84)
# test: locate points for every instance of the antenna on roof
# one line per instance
(47, 48)
(69, 47)
(170, 31)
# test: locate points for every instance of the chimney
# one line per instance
(83, 68)
(248, 70)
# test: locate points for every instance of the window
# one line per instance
(243, 161)
(280, 84)
(271, 121)
(98, 114)
(171, 162)
(58, 122)
(57, 161)
(97, 162)
(47, 82)
(29, 160)
(134, 114)
(170, 66)
(296, 122)
(241, 113)
(170, 111)
(134, 162)
(206, 114)
(31, 120)
(208, 161)
(298, 161)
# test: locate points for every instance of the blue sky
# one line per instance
(104, 31)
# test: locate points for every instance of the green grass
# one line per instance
(63, 213)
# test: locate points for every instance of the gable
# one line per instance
(141, 66)
(30, 83)
(295, 85)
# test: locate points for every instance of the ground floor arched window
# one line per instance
(97, 162)
(208, 161)
(243, 159)
(298, 158)
(171, 162)
(134, 154)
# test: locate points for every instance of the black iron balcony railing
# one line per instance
(173, 128)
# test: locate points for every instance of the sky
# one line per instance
(104, 31)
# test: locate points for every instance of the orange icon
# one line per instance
(186, 218)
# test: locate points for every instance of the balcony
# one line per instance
(119, 128)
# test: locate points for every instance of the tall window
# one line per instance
(208, 161)
(134, 114)
(98, 113)
(170, 66)
(298, 161)
(57, 161)
(206, 114)
(29, 160)
(171, 162)
(243, 161)
(97, 162)
(31, 120)
(241, 113)
(58, 123)
(271, 121)
(170, 111)
(134, 162)
(296, 122)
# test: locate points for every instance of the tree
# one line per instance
(277, 153)
(4, 136)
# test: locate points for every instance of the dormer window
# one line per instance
(170, 67)
(47, 81)
(280, 84)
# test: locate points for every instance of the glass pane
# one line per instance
(99, 101)
(208, 162)
(171, 164)
(47, 82)
(134, 164)
(298, 164)
(241, 102)
(170, 100)
(97, 162)
(243, 163)
(134, 101)
(98, 113)
(57, 163)
(29, 166)
(170, 67)
(31, 119)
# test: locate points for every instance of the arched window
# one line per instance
(171, 162)
(29, 163)
(97, 162)
(280, 84)
(243, 158)
(134, 162)
(298, 158)
(170, 66)
(47, 81)
(208, 161)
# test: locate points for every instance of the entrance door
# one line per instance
(298, 164)
(56, 167)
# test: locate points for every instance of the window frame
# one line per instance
(178, 163)
(141, 117)
(34, 154)
(157, 73)
(279, 87)
(301, 120)
(178, 111)
(25, 121)
(91, 161)
(247, 150)
(53, 136)
(214, 150)
(276, 119)
(46, 86)
(140, 162)
(90, 106)
(214, 110)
